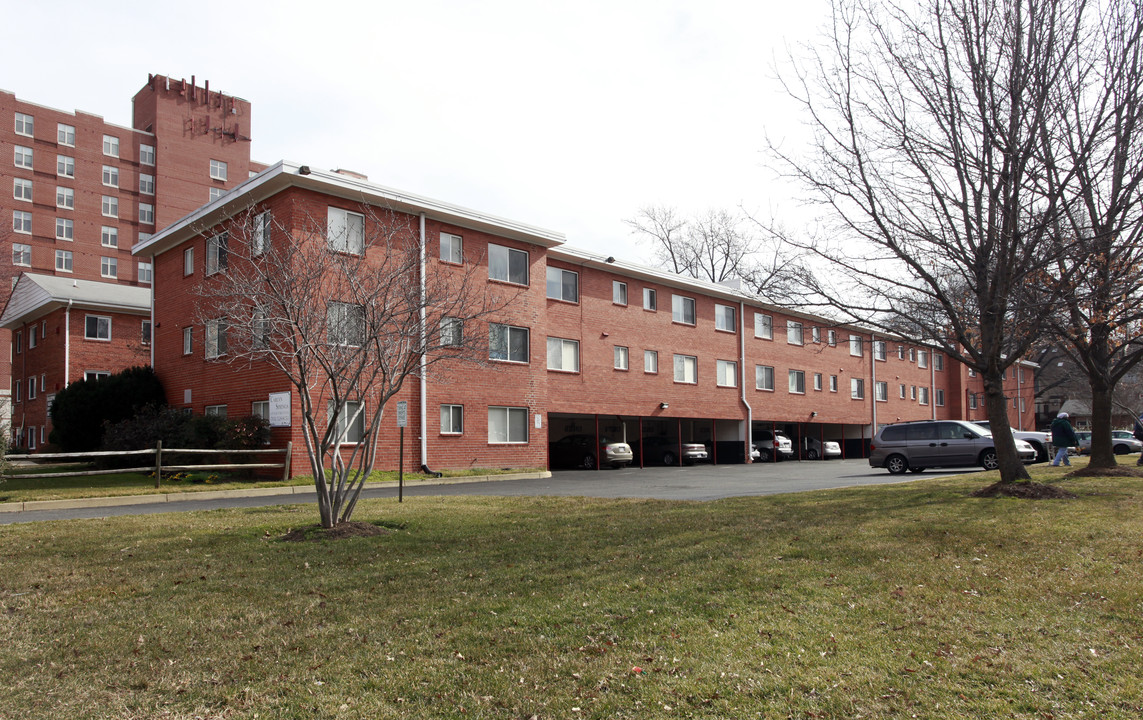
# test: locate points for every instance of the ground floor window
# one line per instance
(507, 425)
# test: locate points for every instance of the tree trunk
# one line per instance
(1011, 466)
(1102, 454)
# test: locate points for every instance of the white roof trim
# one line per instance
(37, 295)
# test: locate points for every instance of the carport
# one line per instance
(853, 438)
(664, 436)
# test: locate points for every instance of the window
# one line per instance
(912, 392)
(19, 343)
(902, 390)
(259, 331)
(650, 301)
(188, 261)
(763, 377)
(109, 236)
(25, 125)
(923, 396)
(816, 334)
(217, 170)
(900, 352)
(563, 284)
(146, 213)
(21, 254)
(972, 372)
(214, 194)
(260, 409)
(65, 166)
(65, 198)
(507, 343)
(22, 221)
(940, 398)
(111, 176)
(346, 324)
(880, 349)
(147, 154)
(31, 388)
(350, 427)
(563, 354)
(111, 145)
(763, 326)
(110, 206)
(507, 425)
(856, 346)
(683, 309)
(97, 327)
(44, 384)
(22, 189)
(686, 369)
(452, 249)
(188, 340)
(260, 238)
(94, 375)
(63, 260)
(912, 354)
(147, 184)
(857, 388)
(622, 358)
(650, 361)
(32, 337)
(798, 381)
(817, 381)
(881, 391)
(65, 134)
(214, 411)
(793, 332)
(452, 331)
(507, 264)
(108, 267)
(346, 231)
(65, 229)
(939, 364)
(832, 338)
(724, 318)
(23, 157)
(923, 359)
(215, 338)
(452, 419)
(833, 383)
(145, 332)
(19, 389)
(618, 292)
(216, 253)
(726, 373)
(971, 401)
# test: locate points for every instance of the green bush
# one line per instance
(82, 409)
(179, 429)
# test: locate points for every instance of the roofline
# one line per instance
(54, 302)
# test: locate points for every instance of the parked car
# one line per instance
(816, 449)
(1124, 442)
(773, 446)
(916, 446)
(1084, 446)
(660, 448)
(1039, 440)
(581, 451)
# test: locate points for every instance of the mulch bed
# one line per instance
(1024, 490)
(338, 532)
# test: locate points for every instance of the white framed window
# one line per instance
(25, 125)
(798, 382)
(563, 354)
(109, 236)
(350, 425)
(145, 332)
(65, 134)
(94, 375)
(622, 358)
(726, 373)
(971, 401)
(147, 154)
(880, 350)
(215, 338)
(857, 388)
(923, 395)
(346, 231)
(346, 324)
(19, 389)
(108, 267)
(188, 261)
(912, 392)
(97, 327)
(763, 377)
(111, 146)
(32, 391)
(902, 390)
(63, 260)
(65, 229)
(214, 194)
(651, 362)
(260, 238)
(856, 346)
(33, 338)
(147, 213)
(912, 354)
(815, 334)
(972, 372)
(793, 332)
(110, 206)
(939, 394)
(833, 383)
(217, 170)
(939, 364)
(21, 254)
(259, 331)
(507, 343)
(44, 384)
(146, 184)
(725, 318)
(618, 292)
(188, 340)
(686, 369)
(563, 284)
(214, 411)
(683, 309)
(507, 425)
(260, 409)
(507, 264)
(452, 248)
(22, 222)
(817, 382)
(452, 331)
(922, 359)
(217, 253)
(65, 198)
(111, 176)
(452, 419)
(831, 338)
(22, 157)
(22, 189)
(650, 299)
(763, 326)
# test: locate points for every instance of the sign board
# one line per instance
(280, 409)
(402, 413)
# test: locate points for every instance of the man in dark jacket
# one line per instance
(1063, 437)
(1139, 436)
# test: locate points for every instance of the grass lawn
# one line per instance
(895, 601)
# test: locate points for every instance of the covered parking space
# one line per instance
(809, 437)
(655, 441)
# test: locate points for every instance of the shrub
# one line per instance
(81, 410)
(179, 429)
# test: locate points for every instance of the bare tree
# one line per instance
(929, 121)
(347, 313)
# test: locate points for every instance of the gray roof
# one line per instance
(37, 295)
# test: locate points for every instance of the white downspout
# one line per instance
(873, 378)
(152, 312)
(933, 381)
(749, 439)
(424, 366)
(67, 345)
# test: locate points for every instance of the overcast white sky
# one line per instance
(566, 115)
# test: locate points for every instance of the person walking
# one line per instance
(1063, 437)
(1138, 433)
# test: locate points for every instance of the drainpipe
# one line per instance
(424, 340)
(67, 345)
(873, 379)
(749, 434)
(152, 312)
(933, 381)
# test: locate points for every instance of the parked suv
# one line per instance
(773, 446)
(1040, 441)
(916, 446)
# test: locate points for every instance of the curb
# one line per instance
(117, 500)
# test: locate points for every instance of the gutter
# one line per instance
(749, 432)
(424, 334)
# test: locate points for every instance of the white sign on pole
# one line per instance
(280, 409)
(402, 413)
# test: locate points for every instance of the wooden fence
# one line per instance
(158, 467)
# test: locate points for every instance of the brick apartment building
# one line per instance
(600, 346)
